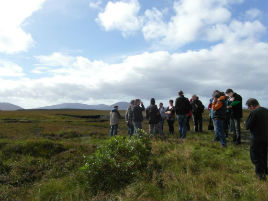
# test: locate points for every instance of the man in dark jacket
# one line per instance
(257, 124)
(197, 110)
(182, 108)
(154, 117)
(137, 115)
(236, 114)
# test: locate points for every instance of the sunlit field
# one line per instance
(42, 152)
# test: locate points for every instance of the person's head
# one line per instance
(116, 107)
(215, 92)
(194, 97)
(138, 101)
(171, 102)
(252, 104)
(229, 92)
(132, 102)
(160, 105)
(152, 101)
(180, 93)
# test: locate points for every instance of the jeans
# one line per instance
(137, 125)
(113, 131)
(182, 119)
(219, 124)
(130, 129)
(236, 130)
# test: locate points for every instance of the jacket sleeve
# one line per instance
(119, 115)
(234, 103)
(142, 107)
(126, 115)
(250, 121)
(216, 105)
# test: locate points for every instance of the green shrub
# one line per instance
(117, 163)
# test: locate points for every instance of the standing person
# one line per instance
(137, 115)
(211, 114)
(197, 111)
(236, 114)
(114, 120)
(219, 108)
(257, 124)
(182, 108)
(154, 117)
(162, 111)
(170, 113)
(128, 118)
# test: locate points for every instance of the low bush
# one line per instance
(117, 163)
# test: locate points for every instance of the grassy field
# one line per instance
(41, 153)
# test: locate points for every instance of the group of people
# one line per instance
(225, 110)
(183, 109)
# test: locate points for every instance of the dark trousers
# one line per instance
(130, 129)
(113, 131)
(198, 122)
(188, 123)
(171, 126)
(258, 156)
(236, 129)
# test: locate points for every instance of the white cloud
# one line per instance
(191, 18)
(121, 15)
(13, 14)
(253, 13)
(95, 4)
(235, 31)
(10, 69)
(239, 65)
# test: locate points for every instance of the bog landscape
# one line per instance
(69, 155)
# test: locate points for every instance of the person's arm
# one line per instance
(119, 115)
(126, 115)
(234, 103)
(142, 107)
(250, 121)
(216, 105)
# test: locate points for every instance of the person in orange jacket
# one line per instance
(219, 108)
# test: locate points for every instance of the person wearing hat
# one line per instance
(114, 120)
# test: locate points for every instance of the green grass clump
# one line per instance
(117, 163)
(36, 148)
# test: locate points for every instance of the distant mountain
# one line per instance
(80, 106)
(9, 106)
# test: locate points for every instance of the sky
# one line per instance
(99, 51)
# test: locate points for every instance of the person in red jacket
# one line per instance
(219, 108)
